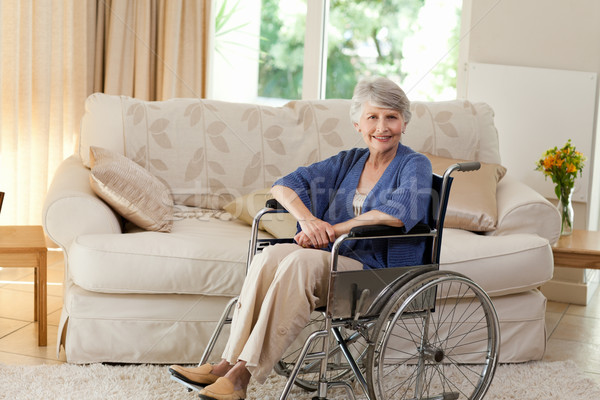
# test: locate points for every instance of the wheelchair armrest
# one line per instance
(385, 230)
(419, 229)
(376, 230)
(274, 204)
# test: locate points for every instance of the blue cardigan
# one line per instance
(404, 190)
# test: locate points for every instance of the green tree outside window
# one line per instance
(364, 37)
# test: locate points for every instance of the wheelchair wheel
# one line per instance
(337, 366)
(437, 338)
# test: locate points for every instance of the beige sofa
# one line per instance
(144, 296)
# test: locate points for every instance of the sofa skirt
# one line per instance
(166, 329)
(522, 326)
(140, 328)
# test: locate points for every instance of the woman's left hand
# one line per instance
(302, 239)
(315, 233)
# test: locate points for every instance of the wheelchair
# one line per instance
(396, 333)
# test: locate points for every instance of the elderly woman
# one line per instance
(385, 183)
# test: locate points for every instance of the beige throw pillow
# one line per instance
(472, 203)
(131, 190)
(280, 225)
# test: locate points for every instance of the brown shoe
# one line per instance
(222, 389)
(201, 375)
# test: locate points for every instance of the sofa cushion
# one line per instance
(210, 152)
(472, 204)
(499, 264)
(208, 256)
(131, 190)
(488, 149)
(453, 129)
(101, 125)
(244, 208)
(198, 256)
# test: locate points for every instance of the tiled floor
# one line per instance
(574, 334)
(573, 331)
(18, 331)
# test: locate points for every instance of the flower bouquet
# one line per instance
(562, 166)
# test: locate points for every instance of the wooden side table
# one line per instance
(25, 247)
(581, 249)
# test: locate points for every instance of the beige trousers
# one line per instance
(285, 283)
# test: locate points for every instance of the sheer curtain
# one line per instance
(44, 79)
(56, 53)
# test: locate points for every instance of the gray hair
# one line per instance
(379, 92)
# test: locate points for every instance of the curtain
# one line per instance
(152, 49)
(55, 53)
(44, 80)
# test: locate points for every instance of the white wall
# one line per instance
(555, 34)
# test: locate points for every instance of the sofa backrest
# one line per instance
(208, 152)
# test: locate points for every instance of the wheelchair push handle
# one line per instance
(468, 166)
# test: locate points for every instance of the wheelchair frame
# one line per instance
(380, 314)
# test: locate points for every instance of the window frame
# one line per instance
(315, 50)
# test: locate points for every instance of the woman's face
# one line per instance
(381, 128)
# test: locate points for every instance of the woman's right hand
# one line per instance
(315, 233)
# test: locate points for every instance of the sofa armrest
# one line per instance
(71, 208)
(523, 210)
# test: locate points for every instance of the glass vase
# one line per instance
(565, 208)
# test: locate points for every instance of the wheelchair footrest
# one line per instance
(190, 387)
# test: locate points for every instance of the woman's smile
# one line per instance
(382, 138)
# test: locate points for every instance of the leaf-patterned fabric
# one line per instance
(210, 152)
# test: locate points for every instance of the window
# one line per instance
(282, 32)
(271, 51)
(413, 42)
(258, 51)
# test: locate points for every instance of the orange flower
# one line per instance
(562, 166)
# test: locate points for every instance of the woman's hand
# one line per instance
(315, 233)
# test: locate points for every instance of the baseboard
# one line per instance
(579, 293)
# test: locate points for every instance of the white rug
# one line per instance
(537, 380)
